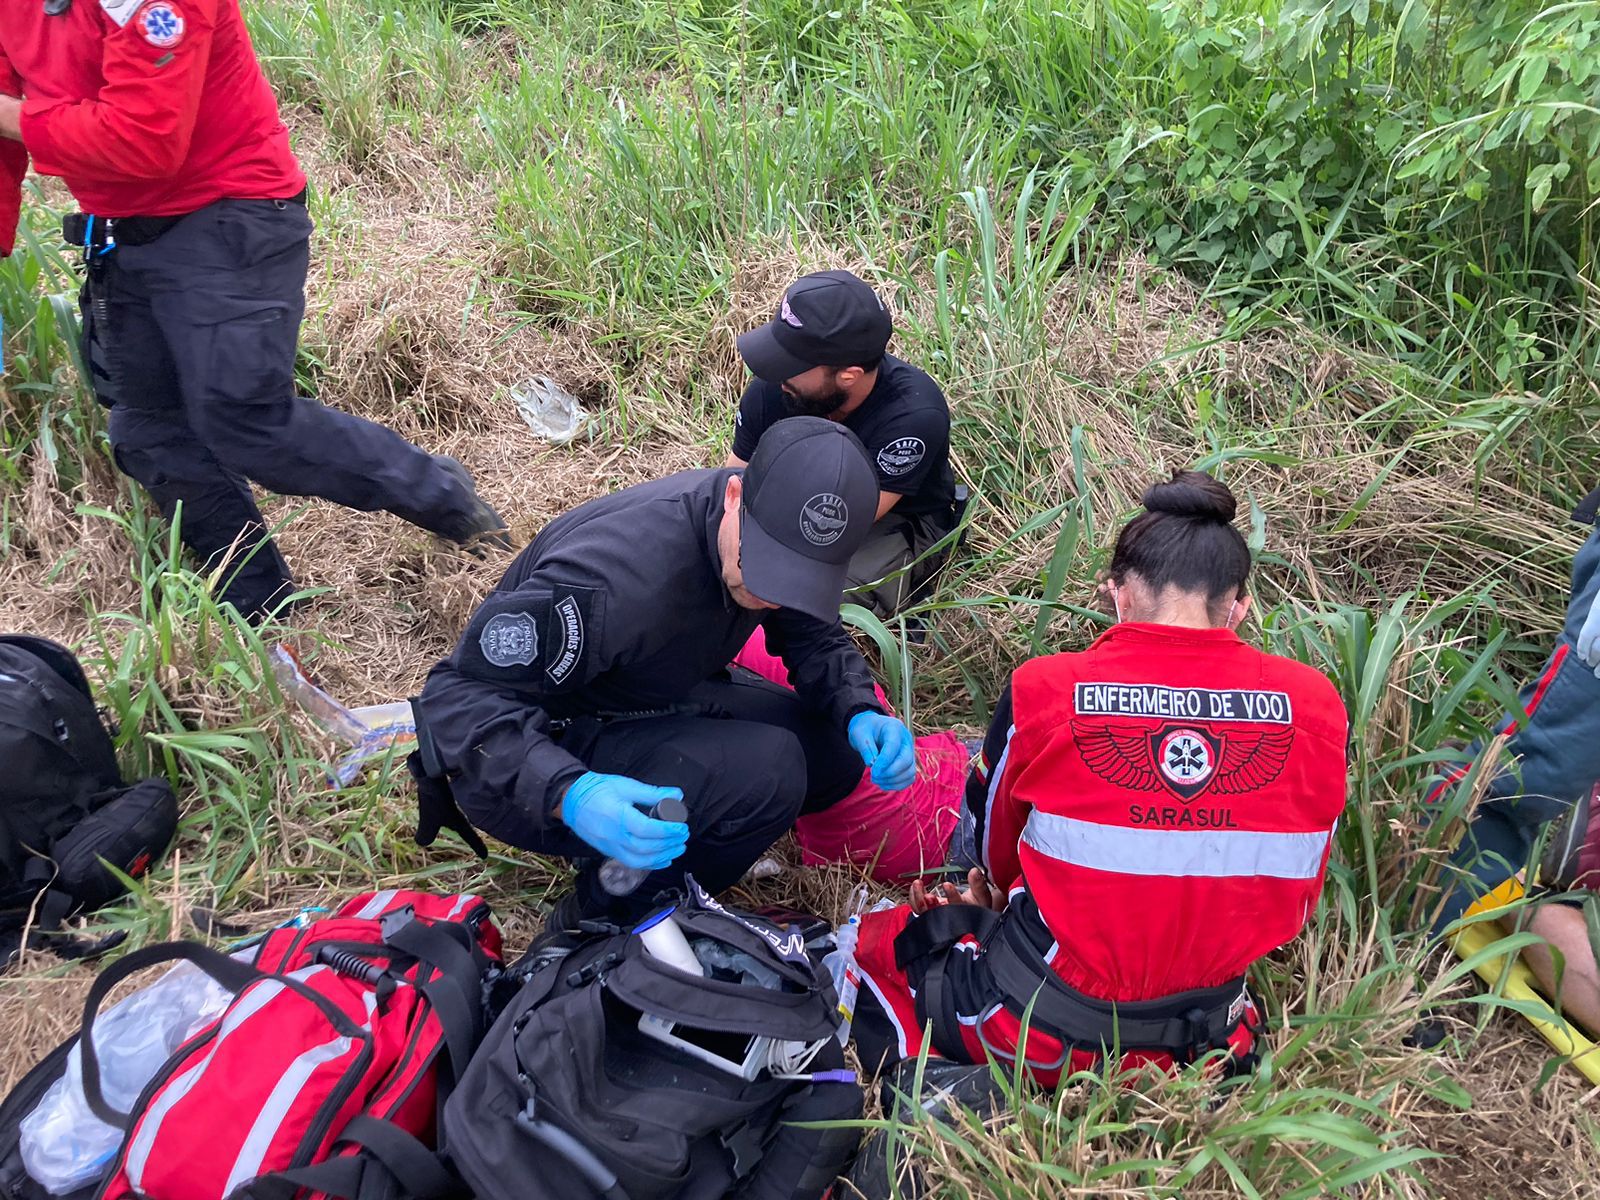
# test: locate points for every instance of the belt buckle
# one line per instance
(92, 235)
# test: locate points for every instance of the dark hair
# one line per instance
(1185, 538)
(868, 366)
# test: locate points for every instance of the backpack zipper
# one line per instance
(50, 701)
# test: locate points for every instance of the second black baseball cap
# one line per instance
(831, 319)
(810, 497)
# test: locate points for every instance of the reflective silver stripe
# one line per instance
(888, 1011)
(994, 790)
(1206, 853)
(270, 1119)
(143, 1141)
(376, 905)
(461, 903)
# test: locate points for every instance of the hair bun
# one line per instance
(1192, 494)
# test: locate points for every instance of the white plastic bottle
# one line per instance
(621, 880)
(664, 940)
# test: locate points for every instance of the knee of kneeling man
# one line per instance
(772, 761)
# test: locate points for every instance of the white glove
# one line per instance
(1589, 638)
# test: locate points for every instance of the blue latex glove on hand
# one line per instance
(1589, 638)
(604, 810)
(886, 746)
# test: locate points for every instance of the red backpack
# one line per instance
(326, 1073)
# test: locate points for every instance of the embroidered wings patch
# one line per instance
(1185, 760)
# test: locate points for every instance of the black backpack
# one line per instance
(569, 1100)
(63, 804)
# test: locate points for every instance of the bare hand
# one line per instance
(979, 892)
(11, 118)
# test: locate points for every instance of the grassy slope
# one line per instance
(605, 194)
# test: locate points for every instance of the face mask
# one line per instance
(1232, 608)
(1116, 603)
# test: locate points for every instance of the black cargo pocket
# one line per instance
(248, 364)
(257, 232)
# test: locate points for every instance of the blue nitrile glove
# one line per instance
(604, 811)
(1589, 638)
(886, 746)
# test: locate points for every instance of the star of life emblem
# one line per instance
(161, 24)
(1185, 758)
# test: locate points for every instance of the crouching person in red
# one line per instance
(1155, 812)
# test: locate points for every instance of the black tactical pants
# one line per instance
(190, 341)
(749, 756)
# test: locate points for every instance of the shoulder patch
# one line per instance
(510, 639)
(120, 11)
(161, 23)
(540, 640)
(901, 455)
(568, 639)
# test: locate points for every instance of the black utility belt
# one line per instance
(94, 232)
(1186, 1024)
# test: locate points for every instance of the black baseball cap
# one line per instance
(810, 497)
(828, 319)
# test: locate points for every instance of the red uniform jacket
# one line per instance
(1167, 797)
(1168, 800)
(144, 107)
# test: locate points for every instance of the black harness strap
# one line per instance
(929, 940)
(392, 1164)
(454, 994)
(230, 973)
(1185, 1024)
(1181, 1023)
(940, 928)
(936, 1009)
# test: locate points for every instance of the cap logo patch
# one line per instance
(510, 640)
(823, 519)
(787, 314)
(161, 24)
(901, 455)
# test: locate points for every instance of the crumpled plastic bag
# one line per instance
(372, 732)
(64, 1145)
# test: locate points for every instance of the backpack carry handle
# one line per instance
(229, 972)
(395, 1164)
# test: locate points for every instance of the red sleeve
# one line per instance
(13, 166)
(1010, 815)
(999, 815)
(140, 125)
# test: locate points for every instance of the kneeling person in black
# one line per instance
(594, 682)
(824, 354)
